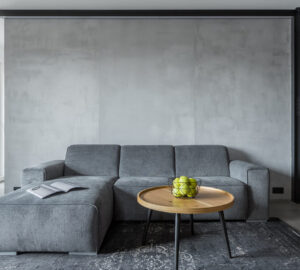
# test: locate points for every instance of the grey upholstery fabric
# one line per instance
(201, 160)
(70, 222)
(92, 160)
(42, 172)
(258, 180)
(147, 160)
(234, 186)
(126, 206)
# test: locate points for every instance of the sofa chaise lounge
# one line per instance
(77, 222)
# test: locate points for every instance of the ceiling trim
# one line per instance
(148, 13)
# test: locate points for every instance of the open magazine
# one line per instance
(43, 191)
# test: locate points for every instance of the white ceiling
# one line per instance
(149, 4)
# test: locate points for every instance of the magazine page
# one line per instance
(64, 186)
(43, 191)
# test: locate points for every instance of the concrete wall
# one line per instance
(1, 99)
(148, 81)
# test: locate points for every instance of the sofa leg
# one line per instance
(83, 253)
(8, 253)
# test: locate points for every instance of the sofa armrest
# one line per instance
(42, 172)
(258, 180)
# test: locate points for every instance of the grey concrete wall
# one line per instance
(148, 81)
(1, 98)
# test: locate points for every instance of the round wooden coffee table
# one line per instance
(207, 200)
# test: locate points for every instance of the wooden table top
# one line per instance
(206, 201)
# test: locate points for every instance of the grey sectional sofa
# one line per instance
(77, 222)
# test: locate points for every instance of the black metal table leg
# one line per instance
(147, 226)
(177, 235)
(221, 214)
(192, 223)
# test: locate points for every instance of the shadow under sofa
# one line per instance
(77, 222)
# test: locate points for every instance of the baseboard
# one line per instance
(83, 253)
(8, 253)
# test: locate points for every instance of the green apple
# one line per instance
(184, 186)
(176, 180)
(184, 191)
(176, 192)
(176, 183)
(194, 192)
(193, 182)
(183, 179)
(193, 185)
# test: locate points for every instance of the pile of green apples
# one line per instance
(184, 187)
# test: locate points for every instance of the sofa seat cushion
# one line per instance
(237, 188)
(67, 222)
(125, 197)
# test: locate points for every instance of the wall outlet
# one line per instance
(277, 190)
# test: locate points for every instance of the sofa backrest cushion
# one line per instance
(147, 160)
(201, 160)
(92, 159)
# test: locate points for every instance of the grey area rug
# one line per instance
(258, 245)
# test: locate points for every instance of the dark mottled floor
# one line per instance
(271, 245)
